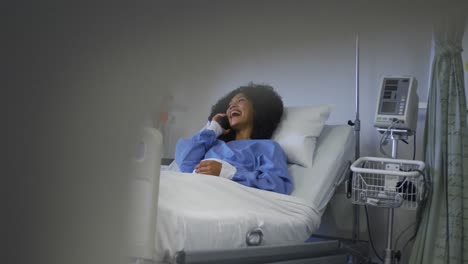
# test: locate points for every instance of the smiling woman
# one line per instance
(240, 115)
(242, 150)
(266, 110)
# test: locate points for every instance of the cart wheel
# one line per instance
(362, 196)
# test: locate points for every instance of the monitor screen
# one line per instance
(388, 107)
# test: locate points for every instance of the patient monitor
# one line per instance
(397, 105)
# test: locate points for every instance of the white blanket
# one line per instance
(199, 212)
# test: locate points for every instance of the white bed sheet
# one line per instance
(197, 212)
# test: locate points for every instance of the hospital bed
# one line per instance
(204, 219)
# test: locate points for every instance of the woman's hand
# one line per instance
(218, 118)
(209, 167)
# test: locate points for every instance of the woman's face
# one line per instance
(240, 112)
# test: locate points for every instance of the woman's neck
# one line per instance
(244, 133)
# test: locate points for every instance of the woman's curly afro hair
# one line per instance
(267, 106)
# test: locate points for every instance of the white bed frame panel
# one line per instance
(144, 193)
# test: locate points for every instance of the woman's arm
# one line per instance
(189, 152)
(271, 172)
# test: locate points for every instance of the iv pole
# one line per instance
(357, 129)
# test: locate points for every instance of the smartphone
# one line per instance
(224, 123)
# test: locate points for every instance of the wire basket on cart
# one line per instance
(387, 182)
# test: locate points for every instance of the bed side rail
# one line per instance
(262, 254)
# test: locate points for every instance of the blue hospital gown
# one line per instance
(260, 163)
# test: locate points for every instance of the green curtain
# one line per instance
(443, 232)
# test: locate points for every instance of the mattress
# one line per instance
(333, 154)
(197, 212)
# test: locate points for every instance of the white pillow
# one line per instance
(298, 131)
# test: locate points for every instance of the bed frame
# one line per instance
(317, 252)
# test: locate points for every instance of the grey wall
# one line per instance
(306, 52)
